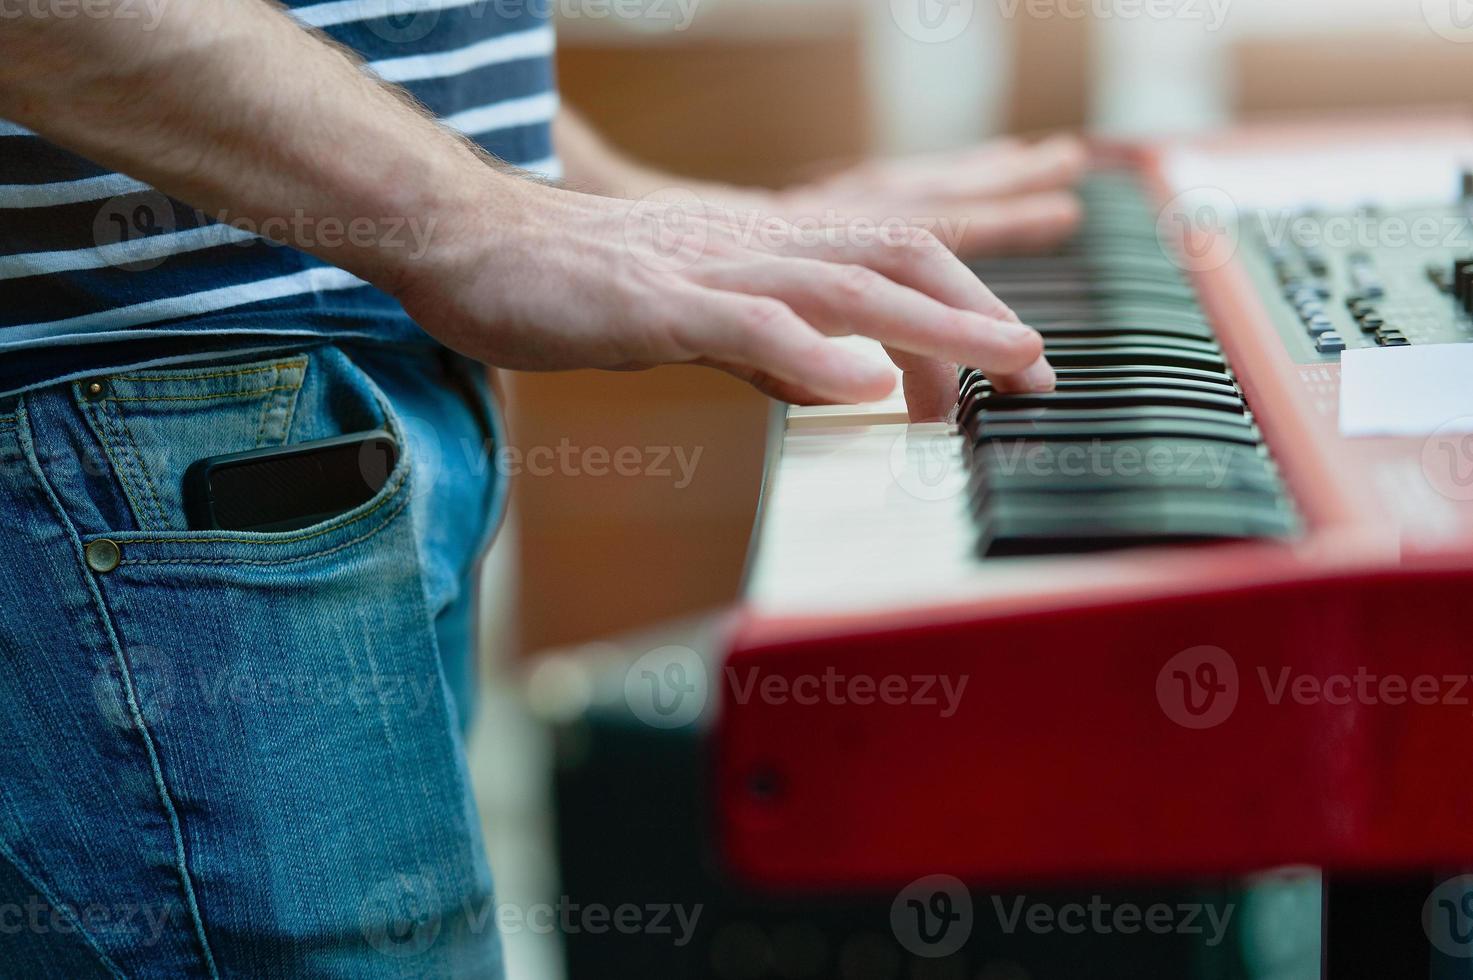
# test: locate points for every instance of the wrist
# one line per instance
(457, 227)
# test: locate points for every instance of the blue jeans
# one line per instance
(235, 753)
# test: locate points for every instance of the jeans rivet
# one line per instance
(103, 555)
(93, 390)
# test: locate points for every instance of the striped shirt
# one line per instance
(92, 260)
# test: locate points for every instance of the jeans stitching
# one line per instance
(300, 362)
(34, 880)
(286, 401)
(213, 397)
(129, 466)
(124, 467)
(390, 492)
(280, 561)
(171, 811)
(140, 470)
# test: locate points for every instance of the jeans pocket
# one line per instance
(150, 425)
(145, 428)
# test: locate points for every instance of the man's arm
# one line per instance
(231, 106)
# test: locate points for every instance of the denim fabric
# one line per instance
(240, 754)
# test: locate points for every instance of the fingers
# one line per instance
(930, 386)
(993, 170)
(845, 299)
(1054, 164)
(917, 259)
(1024, 224)
(764, 335)
(766, 383)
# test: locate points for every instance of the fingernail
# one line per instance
(1014, 330)
(1039, 376)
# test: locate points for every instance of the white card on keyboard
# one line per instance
(1406, 391)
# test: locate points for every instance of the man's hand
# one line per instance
(1003, 196)
(542, 278)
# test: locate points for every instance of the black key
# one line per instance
(1050, 531)
(1075, 312)
(1138, 354)
(971, 376)
(1145, 381)
(1053, 343)
(1105, 329)
(1113, 398)
(1075, 479)
(1225, 431)
(1104, 418)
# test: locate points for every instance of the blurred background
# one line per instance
(768, 92)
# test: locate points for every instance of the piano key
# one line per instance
(1053, 343)
(1138, 397)
(1137, 354)
(1104, 417)
(1114, 312)
(1246, 477)
(1140, 428)
(971, 376)
(1119, 457)
(1016, 533)
(1104, 329)
(1216, 387)
(1139, 369)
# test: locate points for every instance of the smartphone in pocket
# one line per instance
(289, 487)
